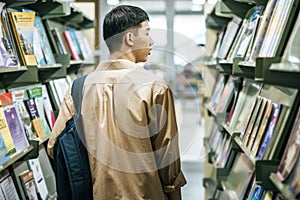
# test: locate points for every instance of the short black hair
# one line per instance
(119, 20)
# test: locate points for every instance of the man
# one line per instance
(128, 117)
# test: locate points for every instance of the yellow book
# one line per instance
(4, 130)
(23, 29)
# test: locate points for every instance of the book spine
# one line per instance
(270, 131)
(58, 41)
(71, 45)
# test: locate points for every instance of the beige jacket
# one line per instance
(130, 130)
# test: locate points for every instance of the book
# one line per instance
(214, 99)
(249, 32)
(8, 57)
(85, 47)
(23, 29)
(262, 126)
(251, 120)
(257, 193)
(53, 95)
(275, 29)
(232, 107)
(61, 87)
(257, 123)
(27, 181)
(71, 45)
(263, 26)
(226, 96)
(292, 150)
(45, 45)
(294, 180)
(58, 41)
(37, 48)
(231, 31)
(8, 187)
(270, 130)
(75, 40)
(48, 172)
(14, 122)
(35, 166)
(244, 105)
(49, 113)
(4, 130)
(18, 99)
(4, 156)
(35, 118)
(237, 41)
(36, 93)
(273, 149)
(240, 175)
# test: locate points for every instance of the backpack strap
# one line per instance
(77, 92)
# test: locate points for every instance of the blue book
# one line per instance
(4, 156)
(270, 130)
(257, 193)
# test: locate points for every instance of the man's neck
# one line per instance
(121, 55)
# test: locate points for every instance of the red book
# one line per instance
(71, 45)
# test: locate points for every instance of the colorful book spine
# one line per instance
(23, 29)
(35, 118)
(58, 40)
(71, 45)
(270, 130)
(4, 131)
(36, 93)
(14, 122)
(27, 180)
(48, 108)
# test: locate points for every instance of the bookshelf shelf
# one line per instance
(211, 64)
(16, 158)
(17, 3)
(283, 74)
(246, 151)
(230, 131)
(73, 19)
(74, 66)
(33, 74)
(51, 9)
(281, 187)
(244, 69)
(264, 168)
(13, 69)
(210, 110)
(260, 2)
(225, 66)
(262, 64)
(43, 140)
(216, 22)
(229, 8)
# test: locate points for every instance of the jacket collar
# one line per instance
(116, 65)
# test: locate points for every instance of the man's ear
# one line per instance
(129, 39)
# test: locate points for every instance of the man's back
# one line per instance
(117, 99)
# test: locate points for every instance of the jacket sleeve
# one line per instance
(66, 112)
(165, 144)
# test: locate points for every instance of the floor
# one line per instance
(191, 147)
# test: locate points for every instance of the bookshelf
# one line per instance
(256, 139)
(64, 15)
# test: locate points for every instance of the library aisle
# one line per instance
(191, 133)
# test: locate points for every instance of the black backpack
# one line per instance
(71, 163)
